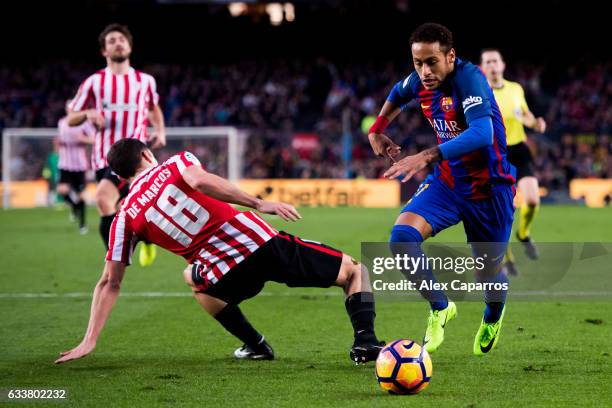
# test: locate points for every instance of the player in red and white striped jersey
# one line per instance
(73, 164)
(118, 100)
(164, 209)
(184, 209)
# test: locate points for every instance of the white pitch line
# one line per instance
(146, 294)
(77, 295)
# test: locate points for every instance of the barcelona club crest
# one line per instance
(447, 103)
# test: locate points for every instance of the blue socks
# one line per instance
(495, 299)
(405, 238)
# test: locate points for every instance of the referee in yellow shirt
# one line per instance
(511, 100)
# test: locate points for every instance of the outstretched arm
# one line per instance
(222, 190)
(399, 96)
(104, 297)
(478, 135)
(527, 118)
(76, 118)
(381, 144)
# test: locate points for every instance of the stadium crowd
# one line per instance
(278, 99)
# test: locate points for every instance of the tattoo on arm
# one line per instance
(432, 154)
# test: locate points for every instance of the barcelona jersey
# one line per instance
(463, 97)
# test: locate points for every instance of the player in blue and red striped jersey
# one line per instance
(472, 182)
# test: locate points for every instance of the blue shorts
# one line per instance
(486, 220)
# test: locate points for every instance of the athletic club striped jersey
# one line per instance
(123, 100)
(72, 152)
(464, 96)
(163, 209)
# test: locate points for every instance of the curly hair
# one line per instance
(431, 33)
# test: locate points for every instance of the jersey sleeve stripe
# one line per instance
(179, 164)
(185, 161)
(189, 159)
(119, 237)
(83, 96)
(119, 241)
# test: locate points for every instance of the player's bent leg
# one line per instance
(493, 276)
(406, 237)
(209, 303)
(417, 222)
(63, 190)
(107, 196)
(359, 303)
(529, 188)
(488, 227)
(231, 318)
(352, 276)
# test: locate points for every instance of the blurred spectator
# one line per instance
(278, 98)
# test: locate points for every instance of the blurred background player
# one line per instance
(511, 100)
(184, 209)
(118, 100)
(73, 141)
(50, 173)
(472, 182)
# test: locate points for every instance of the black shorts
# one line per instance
(75, 179)
(285, 259)
(108, 174)
(520, 157)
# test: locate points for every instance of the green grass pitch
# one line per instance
(165, 351)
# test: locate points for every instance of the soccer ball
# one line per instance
(403, 367)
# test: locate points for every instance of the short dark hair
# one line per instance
(491, 49)
(124, 157)
(115, 27)
(431, 33)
